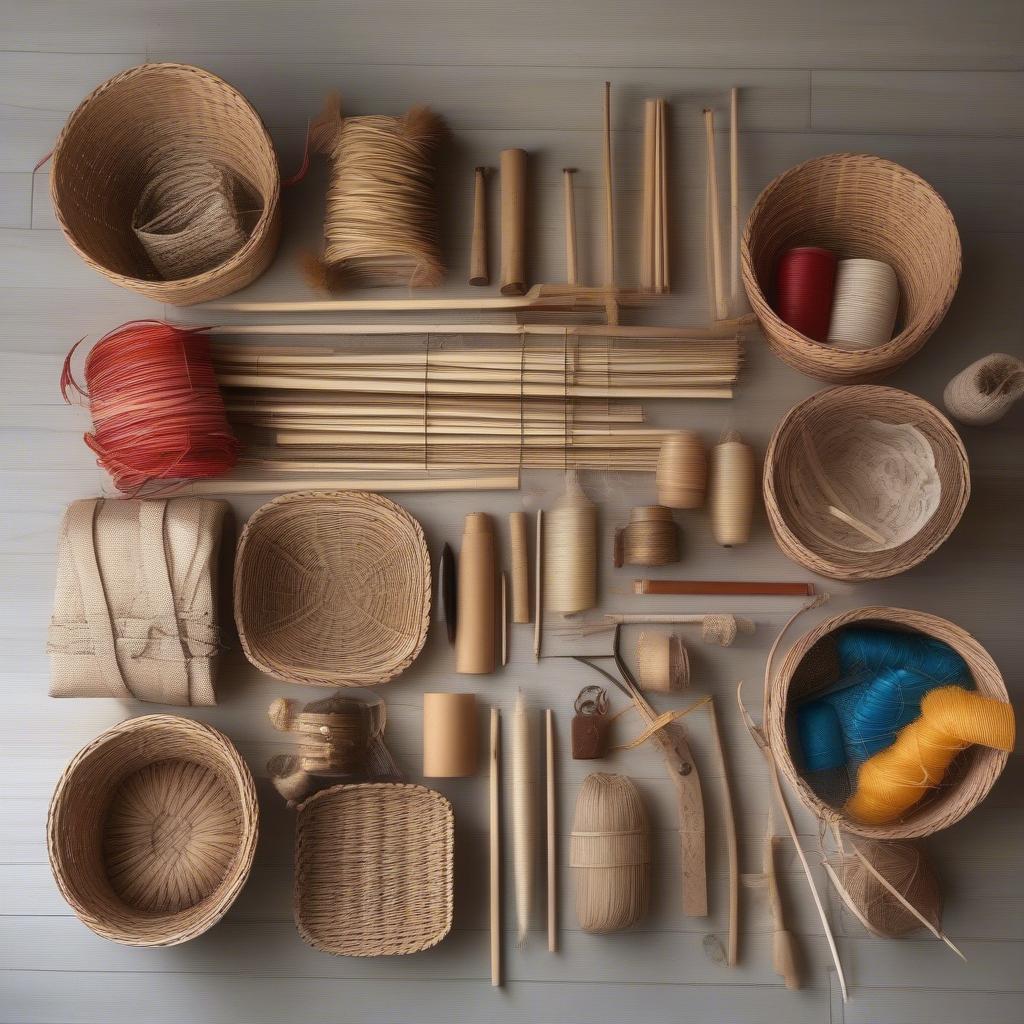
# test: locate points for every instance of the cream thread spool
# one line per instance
(650, 538)
(682, 470)
(662, 661)
(864, 304)
(475, 650)
(451, 738)
(570, 551)
(733, 490)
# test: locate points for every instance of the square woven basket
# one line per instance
(374, 869)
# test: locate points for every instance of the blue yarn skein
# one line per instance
(820, 736)
(861, 647)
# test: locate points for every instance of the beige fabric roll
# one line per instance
(135, 607)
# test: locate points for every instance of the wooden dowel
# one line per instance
(569, 201)
(666, 284)
(734, 199)
(513, 222)
(714, 217)
(228, 485)
(504, 618)
(552, 835)
(538, 587)
(520, 558)
(647, 213)
(478, 271)
(723, 587)
(495, 849)
(609, 192)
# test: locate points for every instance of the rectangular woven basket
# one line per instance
(374, 869)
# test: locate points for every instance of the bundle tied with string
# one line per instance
(381, 225)
(156, 407)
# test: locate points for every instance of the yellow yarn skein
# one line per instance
(892, 781)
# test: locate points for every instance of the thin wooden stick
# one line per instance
(734, 199)
(571, 265)
(729, 815)
(664, 208)
(723, 587)
(609, 193)
(230, 485)
(718, 273)
(504, 619)
(552, 861)
(495, 850)
(647, 227)
(538, 587)
(478, 272)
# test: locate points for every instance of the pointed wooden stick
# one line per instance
(714, 217)
(495, 850)
(552, 861)
(734, 199)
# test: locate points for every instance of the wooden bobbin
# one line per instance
(682, 470)
(451, 740)
(663, 664)
(651, 538)
(733, 489)
(513, 222)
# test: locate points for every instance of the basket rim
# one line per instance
(328, 497)
(910, 339)
(244, 790)
(777, 698)
(783, 532)
(260, 229)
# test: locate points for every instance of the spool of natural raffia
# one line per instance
(475, 595)
(733, 487)
(651, 538)
(451, 739)
(984, 391)
(610, 854)
(662, 662)
(513, 222)
(570, 551)
(682, 470)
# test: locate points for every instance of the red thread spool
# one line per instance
(804, 283)
(157, 410)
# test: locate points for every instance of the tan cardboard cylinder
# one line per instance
(520, 567)
(475, 599)
(451, 740)
(513, 222)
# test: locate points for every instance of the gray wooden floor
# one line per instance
(935, 84)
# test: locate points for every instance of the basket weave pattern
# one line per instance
(332, 588)
(122, 135)
(374, 869)
(858, 206)
(152, 830)
(785, 460)
(972, 774)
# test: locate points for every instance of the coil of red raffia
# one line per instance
(804, 286)
(157, 411)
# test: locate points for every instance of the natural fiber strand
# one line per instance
(984, 392)
(524, 815)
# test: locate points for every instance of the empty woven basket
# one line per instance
(332, 588)
(856, 206)
(374, 869)
(127, 133)
(787, 468)
(971, 775)
(152, 830)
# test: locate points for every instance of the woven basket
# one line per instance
(374, 869)
(120, 137)
(332, 588)
(785, 461)
(972, 774)
(856, 206)
(152, 830)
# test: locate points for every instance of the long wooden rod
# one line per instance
(609, 191)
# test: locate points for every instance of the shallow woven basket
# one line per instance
(374, 869)
(784, 461)
(856, 206)
(152, 830)
(117, 139)
(972, 774)
(332, 588)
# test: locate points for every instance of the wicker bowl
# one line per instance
(152, 830)
(332, 588)
(117, 139)
(971, 775)
(785, 462)
(857, 206)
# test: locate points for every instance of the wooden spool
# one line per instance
(651, 538)
(662, 662)
(682, 470)
(733, 488)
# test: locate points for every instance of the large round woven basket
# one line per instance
(857, 206)
(152, 830)
(118, 139)
(972, 774)
(332, 588)
(786, 464)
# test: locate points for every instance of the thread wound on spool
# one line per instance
(733, 489)
(804, 286)
(663, 663)
(867, 297)
(570, 551)
(650, 538)
(682, 470)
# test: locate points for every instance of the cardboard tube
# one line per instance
(520, 567)
(451, 741)
(476, 611)
(478, 272)
(513, 222)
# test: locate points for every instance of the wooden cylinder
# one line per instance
(682, 470)
(662, 662)
(475, 647)
(478, 272)
(733, 489)
(570, 551)
(651, 538)
(513, 222)
(451, 740)
(520, 557)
